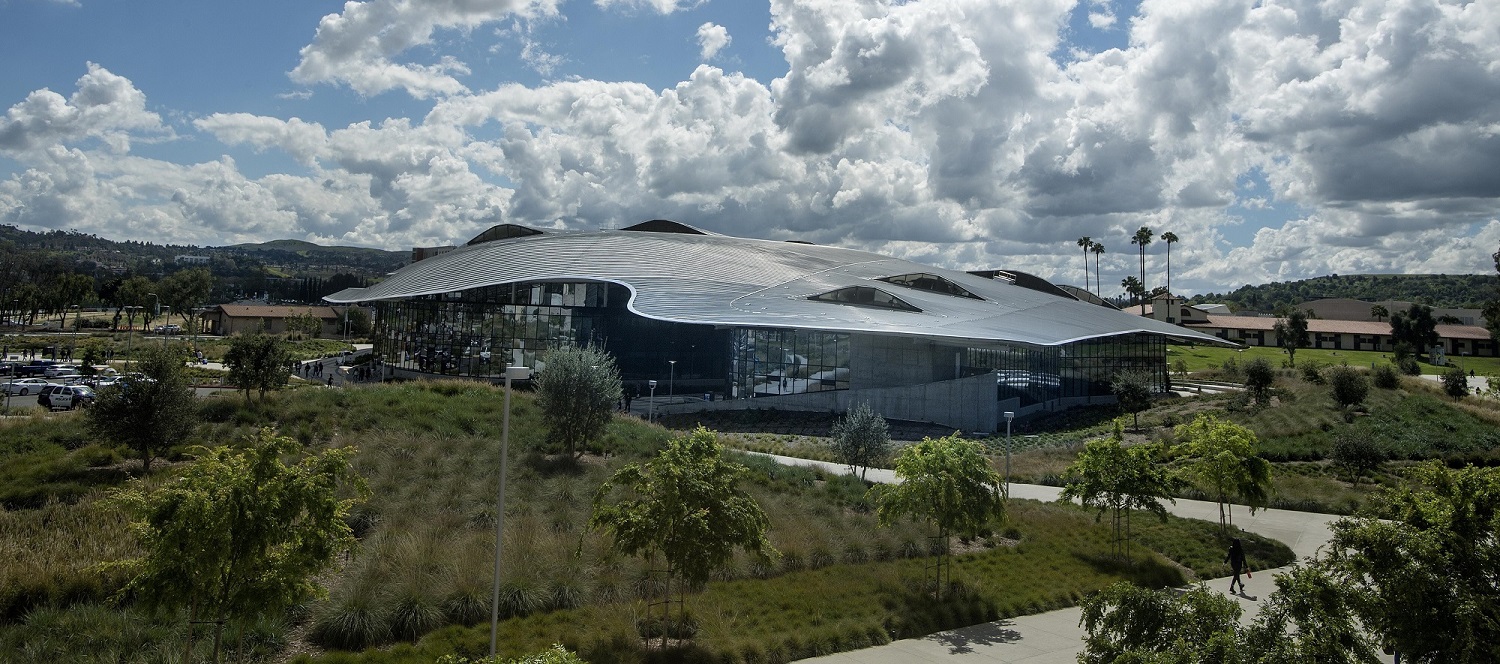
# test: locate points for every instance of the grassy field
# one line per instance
(420, 576)
(1205, 358)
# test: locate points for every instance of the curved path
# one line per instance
(1055, 636)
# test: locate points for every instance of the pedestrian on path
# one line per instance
(1236, 560)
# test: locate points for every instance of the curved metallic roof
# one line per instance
(730, 281)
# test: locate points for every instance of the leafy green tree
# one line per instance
(577, 394)
(186, 290)
(240, 535)
(68, 290)
(1127, 623)
(861, 439)
(1291, 333)
(1132, 391)
(1492, 305)
(1309, 618)
(259, 362)
(1348, 385)
(305, 325)
(557, 654)
(1356, 454)
(147, 415)
(1114, 480)
(358, 322)
(1456, 383)
(947, 482)
(131, 296)
(1384, 376)
(1423, 562)
(1223, 463)
(1416, 327)
(1259, 379)
(686, 505)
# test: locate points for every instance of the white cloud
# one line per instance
(358, 47)
(712, 38)
(104, 107)
(658, 6)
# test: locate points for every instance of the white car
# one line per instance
(57, 369)
(25, 386)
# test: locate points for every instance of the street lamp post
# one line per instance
(651, 412)
(511, 373)
(672, 378)
(1008, 417)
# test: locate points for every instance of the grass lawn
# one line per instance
(1204, 358)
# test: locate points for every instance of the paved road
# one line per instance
(1055, 636)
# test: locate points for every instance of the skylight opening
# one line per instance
(865, 296)
(930, 283)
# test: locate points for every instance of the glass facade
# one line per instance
(770, 362)
(1079, 369)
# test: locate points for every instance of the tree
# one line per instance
(1223, 463)
(1134, 289)
(258, 362)
(1356, 454)
(948, 483)
(147, 415)
(1384, 376)
(1097, 249)
(1348, 385)
(1142, 238)
(1170, 238)
(240, 535)
(1086, 243)
(686, 505)
(1492, 306)
(1309, 618)
(1291, 333)
(131, 296)
(1113, 479)
(68, 290)
(1127, 623)
(1455, 383)
(1415, 326)
(1259, 379)
(1379, 313)
(1423, 561)
(1132, 389)
(357, 321)
(577, 395)
(861, 439)
(186, 290)
(305, 324)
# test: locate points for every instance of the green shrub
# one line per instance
(1312, 372)
(1409, 366)
(1348, 385)
(1385, 377)
(1456, 383)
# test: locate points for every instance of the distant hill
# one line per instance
(1466, 291)
(304, 248)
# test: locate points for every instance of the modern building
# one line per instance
(726, 323)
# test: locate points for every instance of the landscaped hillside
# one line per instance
(1468, 291)
(418, 582)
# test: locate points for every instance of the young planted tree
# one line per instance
(1455, 383)
(577, 394)
(240, 535)
(1114, 479)
(1348, 385)
(148, 415)
(947, 482)
(685, 505)
(1356, 454)
(1291, 333)
(1259, 379)
(1223, 463)
(1132, 390)
(257, 362)
(861, 439)
(1423, 565)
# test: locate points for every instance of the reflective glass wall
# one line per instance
(1080, 369)
(769, 362)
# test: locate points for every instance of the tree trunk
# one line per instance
(187, 654)
(218, 634)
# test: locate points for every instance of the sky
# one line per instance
(1276, 139)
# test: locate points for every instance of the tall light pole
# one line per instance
(511, 373)
(651, 412)
(672, 378)
(1008, 417)
(129, 337)
(156, 313)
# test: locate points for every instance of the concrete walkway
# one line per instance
(1055, 636)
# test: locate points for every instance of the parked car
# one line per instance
(25, 386)
(35, 367)
(56, 369)
(169, 329)
(69, 397)
(66, 377)
(44, 398)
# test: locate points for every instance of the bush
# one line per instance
(1312, 372)
(1456, 383)
(1349, 386)
(1356, 454)
(1385, 377)
(1409, 366)
(1259, 377)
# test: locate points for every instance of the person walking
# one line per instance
(1236, 560)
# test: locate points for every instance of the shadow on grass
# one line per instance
(1151, 571)
(915, 611)
(553, 465)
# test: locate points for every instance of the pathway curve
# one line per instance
(1055, 636)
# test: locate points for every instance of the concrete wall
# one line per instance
(880, 361)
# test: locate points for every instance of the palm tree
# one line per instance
(1134, 288)
(1169, 237)
(1085, 242)
(1142, 238)
(1097, 248)
(1379, 312)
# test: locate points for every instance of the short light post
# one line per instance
(671, 378)
(651, 412)
(511, 373)
(1008, 417)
